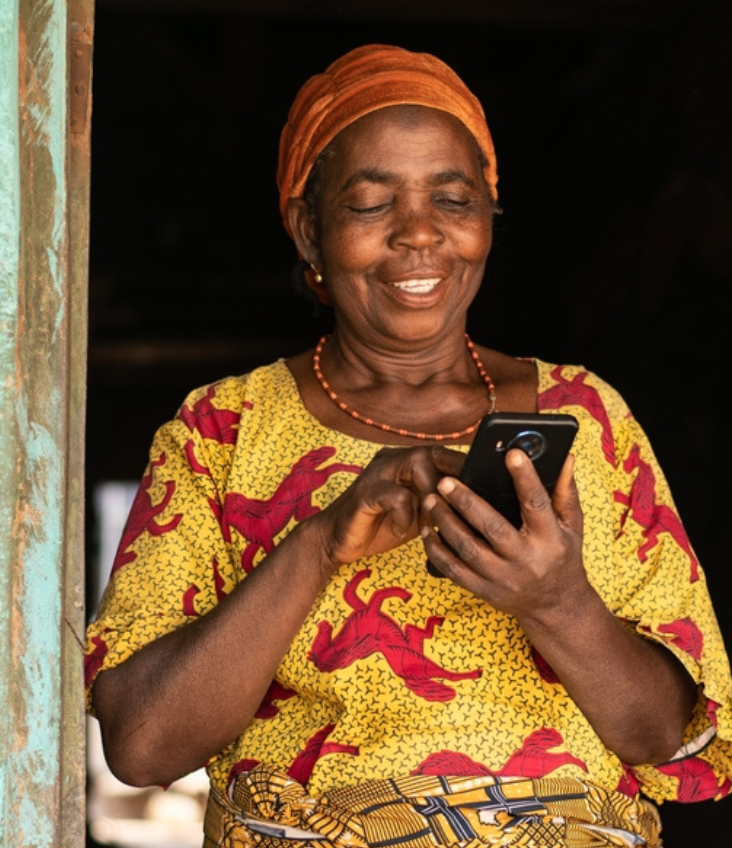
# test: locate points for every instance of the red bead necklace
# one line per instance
(387, 428)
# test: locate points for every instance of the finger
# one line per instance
(418, 471)
(443, 561)
(412, 468)
(535, 501)
(447, 461)
(458, 521)
(417, 468)
(373, 519)
(394, 504)
(403, 514)
(565, 499)
(479, 514)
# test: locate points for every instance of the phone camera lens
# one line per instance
(533, 444)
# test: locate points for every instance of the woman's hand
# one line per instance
(188, 694)
(531, 571)
(635, 694)
(382, 508)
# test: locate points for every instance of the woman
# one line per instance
(269, 611)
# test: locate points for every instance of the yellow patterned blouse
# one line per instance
(395, 672)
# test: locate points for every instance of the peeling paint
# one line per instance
(39, 780)
(9, 258)
(9, 159)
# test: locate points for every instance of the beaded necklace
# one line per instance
(387, 428)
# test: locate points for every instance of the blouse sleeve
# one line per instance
(665, 597)
(173, 562)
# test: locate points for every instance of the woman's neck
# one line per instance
(362, 365)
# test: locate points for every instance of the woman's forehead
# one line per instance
(400, 135)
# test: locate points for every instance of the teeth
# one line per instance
(417, 286)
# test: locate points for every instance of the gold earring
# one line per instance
(317, 276)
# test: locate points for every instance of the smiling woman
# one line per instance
(270, 612)
(399, 236)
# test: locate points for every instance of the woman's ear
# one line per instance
(302, 228)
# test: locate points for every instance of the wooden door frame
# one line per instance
(45, 109)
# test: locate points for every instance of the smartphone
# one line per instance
(545, 438)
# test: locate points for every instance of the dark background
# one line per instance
(613, 130)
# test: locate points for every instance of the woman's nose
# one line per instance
(416, 227)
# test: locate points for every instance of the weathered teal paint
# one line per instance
(9, 260)
(42, 356)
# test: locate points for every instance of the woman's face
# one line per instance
(404, 225)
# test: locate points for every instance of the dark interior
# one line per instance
(613, 130)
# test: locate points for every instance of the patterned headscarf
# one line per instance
(363, 81)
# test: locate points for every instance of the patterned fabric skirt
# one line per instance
(267, 809)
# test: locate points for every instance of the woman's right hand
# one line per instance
(186, 695)
(381, 509)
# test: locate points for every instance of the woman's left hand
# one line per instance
(635, 694)
(530, 571)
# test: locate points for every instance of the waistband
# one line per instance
(267, 809)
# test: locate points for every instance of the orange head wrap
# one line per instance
(363, 81)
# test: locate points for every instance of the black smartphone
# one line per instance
(545, 438)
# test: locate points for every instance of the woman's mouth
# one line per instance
(423, 286)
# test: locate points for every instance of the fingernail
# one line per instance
(446, 485)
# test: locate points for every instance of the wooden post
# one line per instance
(45, 78)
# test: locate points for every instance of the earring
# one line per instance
(317, 276)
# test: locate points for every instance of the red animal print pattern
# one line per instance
(653, 517)
(316, 748)
(567, 392)
(260, 521)
(685, 635)
(268, 709)
(143, 516)
(545, 670)
(189, 596)
(210, 422)
(534, 759)
(94, 659)
(628, 784)
(369, 630)
(395, 673)
(697, 780)
(302, 766)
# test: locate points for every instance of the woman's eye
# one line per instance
(453, 201)
(367, 209)
(368, 200)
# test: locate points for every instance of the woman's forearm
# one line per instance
(635, 693)
(181, 699)
(184, 697)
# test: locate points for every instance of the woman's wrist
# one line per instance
(315, 537)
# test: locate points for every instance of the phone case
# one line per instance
(545, 437)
